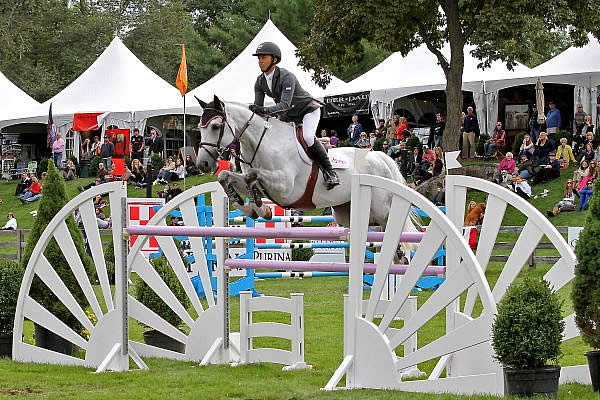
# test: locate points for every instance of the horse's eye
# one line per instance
(215, 127)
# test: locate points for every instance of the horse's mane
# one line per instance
(244, 107)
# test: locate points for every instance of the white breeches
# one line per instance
(310, 122)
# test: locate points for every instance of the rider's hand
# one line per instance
(257, 109)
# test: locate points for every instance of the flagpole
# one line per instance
(184, 149)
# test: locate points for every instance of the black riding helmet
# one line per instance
(268, 49)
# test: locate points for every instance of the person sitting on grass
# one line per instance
(548, 171)
(69, 171)
(506, 166)
(190, 166)
(33, 192)
(101, 220)
(543, 148)
(363, 141)
(527, 147)
(525, 167)
(567, 203)
(100, 178)
(179, 171)
(164, 194)
(165, 172)
(23, 184)
(585, 195)
(564, 153)
(521, 187)
(590, 177)
(587, 154)
(11, 223)
(138, 175)
(174, 191)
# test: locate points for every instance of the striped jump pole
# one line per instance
(395, 269)
(292, 219)
(294, 274)
(307, 233)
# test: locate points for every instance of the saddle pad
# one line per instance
(338, 160)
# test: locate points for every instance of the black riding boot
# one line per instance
(317, 152)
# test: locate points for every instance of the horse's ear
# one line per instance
(202, 103)
(217, 104)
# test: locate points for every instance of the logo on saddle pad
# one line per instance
(338, 162)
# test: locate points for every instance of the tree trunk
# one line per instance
(454, 97)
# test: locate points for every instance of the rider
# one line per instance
(293, 102)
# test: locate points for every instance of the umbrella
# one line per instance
(539, 100)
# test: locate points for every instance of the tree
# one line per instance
(500, 30)
(586, 292)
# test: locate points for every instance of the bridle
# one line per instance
(221, 150)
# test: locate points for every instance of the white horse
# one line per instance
(272, 167)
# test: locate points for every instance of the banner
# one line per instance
(346, 105)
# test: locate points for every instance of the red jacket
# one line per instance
(35, 188)
(403, 126)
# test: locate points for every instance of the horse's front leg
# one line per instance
(234, 183)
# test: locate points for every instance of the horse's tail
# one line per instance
(416, 224)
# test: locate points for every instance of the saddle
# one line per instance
(305, 201)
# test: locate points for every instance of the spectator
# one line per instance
(165, 172)
(567, 203)
(415, 160)
(392, 126)
(470, 134)
(33, 192)
(69, 172)
(547, 171)
(164, 194)
(101, 220)
(354, 130)
(178, 172)
(190, 166)
(527, 146)
(106, 152)
(587, 154)
(11, 223)
(138, 175)
(137, 145)
(521, 187)
(587, 127)
(381, 129)
(372, 139)
(564, 153)
(438, 163)
(175, 221)
(23, 184)
(154, 143)
(437, 131)
(401, 131)
(597, 154)
(100, 178)
(498, 140)
(543, 148)
(506, 166)
(96, 147)
(325, 141)
(429, 156)
(385, 147)
(363, 141)
(579, 119)
(402, 156)
(86, 149)
(584, 180)
(581, 172)
(525, 167)
(58, 148)
(584, 196)
(173, 192)
(334, 140)
(44, 175)
(553, 120)
(99, 202)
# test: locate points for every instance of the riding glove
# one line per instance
(257, 109)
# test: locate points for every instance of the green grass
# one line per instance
(323, 309)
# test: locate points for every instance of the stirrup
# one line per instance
(330, 179)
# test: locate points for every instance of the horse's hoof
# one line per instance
(268, 213)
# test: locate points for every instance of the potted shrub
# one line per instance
(526, 336)
(150, 299)
(11, 276)
(52, 201)
(586, 291)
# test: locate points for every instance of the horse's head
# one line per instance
(215, 134)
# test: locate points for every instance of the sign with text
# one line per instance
(346, 105)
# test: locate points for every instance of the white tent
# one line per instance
(117, 84)
(418, 72)
(13, 100)
(236, 81)
(576, 66)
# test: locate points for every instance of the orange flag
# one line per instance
(182, 81)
